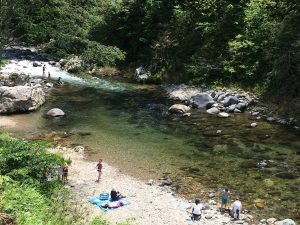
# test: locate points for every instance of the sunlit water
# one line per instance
(129, 128)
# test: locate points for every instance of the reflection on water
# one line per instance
(130, 129)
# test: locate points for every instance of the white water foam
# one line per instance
(26, 66)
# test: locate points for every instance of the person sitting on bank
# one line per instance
(60, 81)
(236, 208)
(115, 195)
(197, 210)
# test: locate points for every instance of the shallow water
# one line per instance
(129, 128)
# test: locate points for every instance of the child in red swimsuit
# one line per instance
(99, 169)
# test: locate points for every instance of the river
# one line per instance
(126, 125)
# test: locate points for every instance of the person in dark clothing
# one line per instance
(60, 81)
(115, 195)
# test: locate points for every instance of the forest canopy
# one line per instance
(251, 43)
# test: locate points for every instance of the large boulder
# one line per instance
(241, 106)
(202, 100)
(231, 100)
(55, 112)
(179, 109)
(21, 98)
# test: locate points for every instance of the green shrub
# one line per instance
(102, 55)
(27, 205)
(25, 161)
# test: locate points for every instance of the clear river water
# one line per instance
(126, 125)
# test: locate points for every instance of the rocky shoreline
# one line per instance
(150, 203)
(222, 103)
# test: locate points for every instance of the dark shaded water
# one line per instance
(129, 128)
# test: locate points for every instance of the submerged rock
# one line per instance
(286, 175)
(179, 109)
(259, 203)
(223, 115)
(253, 124)
(55, 112)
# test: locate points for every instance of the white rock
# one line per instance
(150, 182)
(223, 114)
(179, 109)
(212, 202)
(55, 112)
(208, 216)
(271, 220)
(285, 222)
(211, 195)
(79, 149)
(253, 124)
(213, 110)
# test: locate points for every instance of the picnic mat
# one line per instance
(111, 204)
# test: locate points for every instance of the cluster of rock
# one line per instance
(19, 93)
(215, 102)
(25, 53)
(262, 112)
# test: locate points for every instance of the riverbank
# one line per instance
(149, 204)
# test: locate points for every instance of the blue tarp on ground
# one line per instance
(112, 204)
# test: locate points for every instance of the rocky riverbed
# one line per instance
(153, 202)
(222, 103)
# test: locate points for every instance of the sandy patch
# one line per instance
(6, 122)
(149, 205)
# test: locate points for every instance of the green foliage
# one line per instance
(249, 42)
(65, 45)
(25, 161)
(25, 195)
(28, 206)
(102, 55)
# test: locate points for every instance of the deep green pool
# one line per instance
(130, 130)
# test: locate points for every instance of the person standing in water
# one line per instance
(44, 71)
(99, 167)
(49, 76)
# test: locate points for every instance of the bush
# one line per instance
(28, 206)
(24, 161)
(102, 55)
